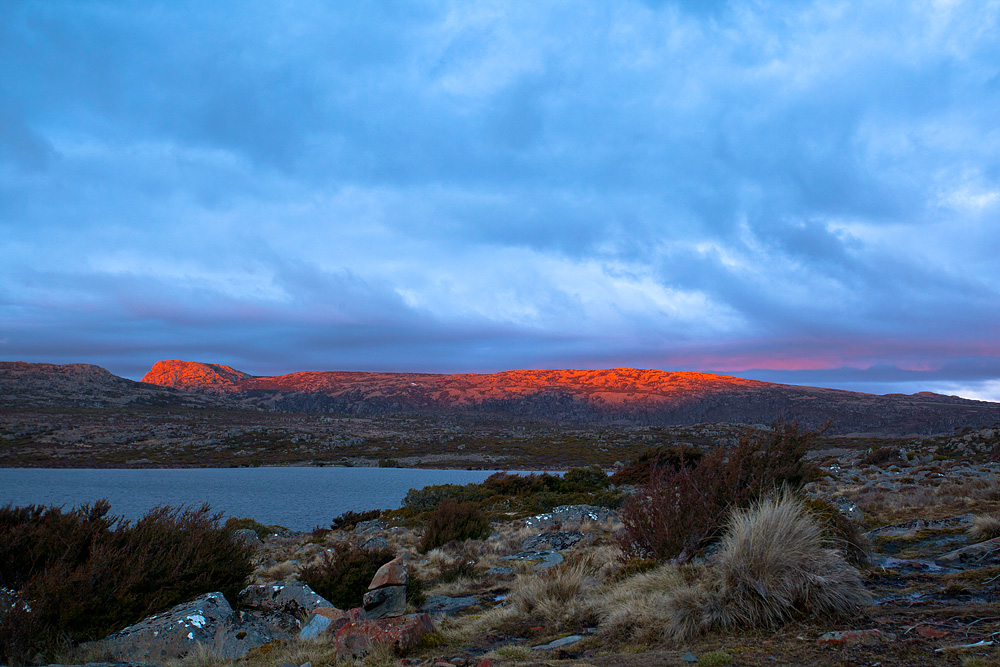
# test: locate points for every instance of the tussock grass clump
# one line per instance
(681, 510)
(773, 565)
(984, 527)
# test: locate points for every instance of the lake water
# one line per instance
(297, 498)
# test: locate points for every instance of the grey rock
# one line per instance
(546, 559)
(207, 621)
(574, 514)
(375, 543)
(559, 643)
(369, 526)
(558, 541)
(385, 602)
(248, 537)
(443, 604)
(981, 554)
(287, 596)
(848, 509)
(689, 657)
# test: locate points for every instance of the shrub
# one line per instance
(840, 530)
(343, 574)
(647, 463)
(984, 527)
(350, 519)
(680, 510)
(881, 455)
(84, 574)
(263, 532)
(454, 521)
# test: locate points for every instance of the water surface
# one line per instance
(298, 498)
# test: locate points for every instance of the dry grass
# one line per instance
(773, 565)
(984, 527)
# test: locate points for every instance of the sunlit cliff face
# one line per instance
(608, 386)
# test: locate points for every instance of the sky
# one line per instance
(800, 192)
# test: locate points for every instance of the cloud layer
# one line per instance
(798, 191)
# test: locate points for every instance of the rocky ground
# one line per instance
(929, 510)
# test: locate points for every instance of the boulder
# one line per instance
(981, 554)
(292, 597)
(393, 573)
(557, 541)
(327, 620)
(248, 537)
(443, 604)
(385, 602)
(501, 572)
(354, 640)
(375, 543)
(575, 514)
(559, 643)
(545, 558)
(207, 621)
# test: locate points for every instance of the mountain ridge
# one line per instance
(641, 396)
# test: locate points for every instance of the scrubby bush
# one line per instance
(343, 574)
(263, 532)
(984, 527)
(507, 496)
(453, 520)
(83, 574)
(840, 530)
(680, 511)
(881, 456)
(672, 458)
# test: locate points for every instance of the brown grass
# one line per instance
(984, 527)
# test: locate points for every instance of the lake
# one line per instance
(297, 498)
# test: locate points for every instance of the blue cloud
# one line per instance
(441, 186)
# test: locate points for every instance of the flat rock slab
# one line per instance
(546, 559)
(385, 602)
(558, 643)
(907, 565)
(558, 541)
(327, 620)
(974, 555)
(207, 621)
(911, 528)
(287, 596)
(355, 640)
(574, 514)
(443, 604)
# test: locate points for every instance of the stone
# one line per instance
(375, 543)
(443, 604)
(323, 620)
(369, 526)
(928, 632)
(849, 509)
(248, 537)
(355, 640)
(385, 602)
(558, 541)
(393, 573)
(871, 637)
(558, 643)
(287, 596)
(981, 554)
(207, 621)
(545, 558)
(689, 657)
(575, 514)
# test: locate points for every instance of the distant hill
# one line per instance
(27, 385)
(621, 395)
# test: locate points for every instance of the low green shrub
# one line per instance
(83, 574)
(454, 521)
(343, 574)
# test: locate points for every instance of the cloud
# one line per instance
(754, 187)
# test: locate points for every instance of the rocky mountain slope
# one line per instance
(25, 385)
(582, 396)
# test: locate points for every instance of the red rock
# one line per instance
(855, 637)
(485, 662)
(393, 573)
(930, 633)
(403, 633)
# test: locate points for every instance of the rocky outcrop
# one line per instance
(207, 621)
(292, 597)
(386, 596)
(638, 396)
(355, 640)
